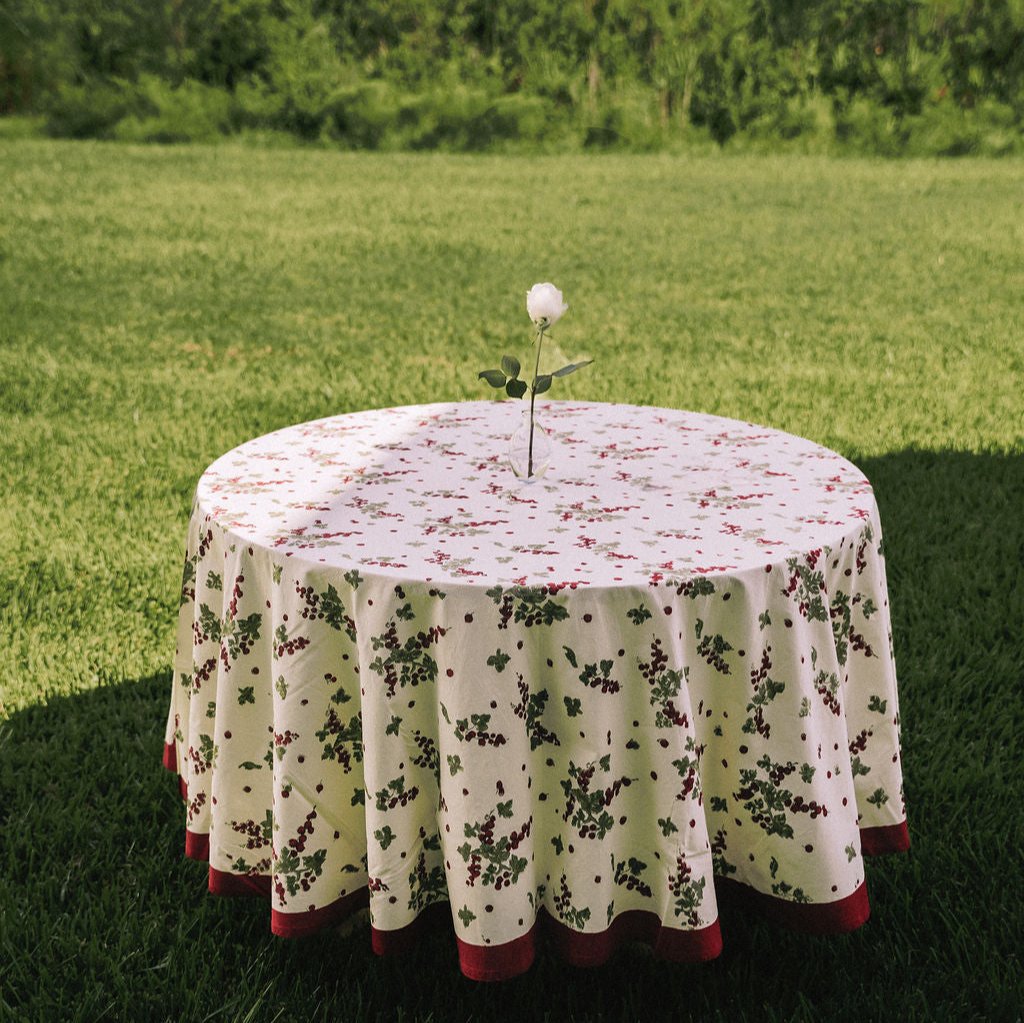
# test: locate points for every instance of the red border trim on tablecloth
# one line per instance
(895, 838)
(287, 925)
(808, 918)
(497, 962)
(437, 915)
(502, 962)
(677, 946)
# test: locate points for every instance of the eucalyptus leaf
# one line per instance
(494, 377)
(542, 384)
(510, 365)
(571, 368)
(515, 388)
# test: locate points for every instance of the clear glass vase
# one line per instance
(529, 464)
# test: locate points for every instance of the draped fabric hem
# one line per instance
(502, 962)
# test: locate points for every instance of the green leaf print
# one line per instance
(567, 913)
(493, 860)
(298, 873)
(530, 709)
(405, 663)
(395, 794)
(343, 741)
(498, 660)
(207, 754)
(765, 690)
(333, 612)
(665, 683)
(628, 874)
(599, 677)
(295, 871)
(188, 581)
(689, 771)
(587, 810)
(209, 624)
(476, 728)
(240, 634)
(711, 647)
(699, 586)
(768, 802)
(786, 891)
(529, 605)
(806, 585)
(687, 892)
(637, 615)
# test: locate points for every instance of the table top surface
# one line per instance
(634, 495)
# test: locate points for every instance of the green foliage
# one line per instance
(363, 116)
(92, 109)
(293, 88)
(892, 77)
(189, 112)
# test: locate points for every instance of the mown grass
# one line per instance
(159, 306)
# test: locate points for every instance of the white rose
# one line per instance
(544, 304)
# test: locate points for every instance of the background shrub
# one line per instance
(189, 112)
(91, 109)
(929, 77)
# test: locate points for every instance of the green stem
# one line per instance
(533, 395)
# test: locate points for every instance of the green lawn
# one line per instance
(160, 305)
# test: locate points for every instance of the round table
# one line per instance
(585, 705)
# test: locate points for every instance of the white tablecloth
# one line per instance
(406, 677)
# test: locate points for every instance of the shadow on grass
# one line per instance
(102, 917)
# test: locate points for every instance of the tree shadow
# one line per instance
(101, 915)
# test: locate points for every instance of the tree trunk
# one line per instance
(177, 26)
(593, 80)
(687, 99)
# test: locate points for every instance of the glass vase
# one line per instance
(529, 464)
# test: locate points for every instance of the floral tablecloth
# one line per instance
(583, 705)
